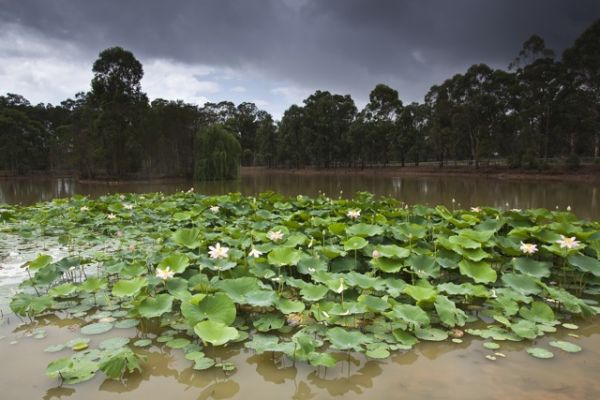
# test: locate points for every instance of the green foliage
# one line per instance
(217, 154)
(332, 291)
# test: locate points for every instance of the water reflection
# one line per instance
(583, 197)
(441, 370)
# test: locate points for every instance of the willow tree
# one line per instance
(218, 154)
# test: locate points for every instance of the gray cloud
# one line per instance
(342, 45)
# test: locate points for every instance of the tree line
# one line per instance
(540, 108)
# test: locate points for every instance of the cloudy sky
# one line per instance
(272, 52)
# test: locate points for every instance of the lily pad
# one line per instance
(539, 352)
(96, 328)
(566, 346)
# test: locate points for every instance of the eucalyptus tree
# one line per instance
(582, 61)
(326, 120)
(540, 82)
(381, 115)
(439, 111)
(267, 141)
(120, 105)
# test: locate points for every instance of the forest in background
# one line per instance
(542, 108)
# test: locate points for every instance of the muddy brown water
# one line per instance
(434, 370)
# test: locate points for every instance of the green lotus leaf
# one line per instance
(355, 243)
(449, 314)
(491, 345)
(529, 266)
(268, 322)
(364, 230)
(377, 351)
(201, 362)
(480, 272)
(287, 306)
(130, 287)
(177, 262)
(585, 264)
(404, 337)
(217, 307)
(389, 265)
(178, 287)
(238, 288)
(142, 343)
(565, 346)
(431, 334)
(313, 292)
(410, 314)
(464, 242)
(423, 264)
(282, 256)
(343, 339)
(364, 281)
(113, 343)
(64, 290)
(178, 343)
(187, 237)
(373, 303)
(215, 332)
(127, 323)
(152, 307)
(525, 329)
(322, 360)
(421, 294)
(115, 365)
(539, 312)
(40, 262)
(93, 284)
(260, 298)
(26, 304)
(521, 283)
(96, 328)
(59, 366)
(261, 343)
(539, 352)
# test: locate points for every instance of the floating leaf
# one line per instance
(566, 346)
(152, 307)
(539, 352)
(480, 272)
(215, 332)
(96, 328)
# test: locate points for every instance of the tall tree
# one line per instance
(121, 104)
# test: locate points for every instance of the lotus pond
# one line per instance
(326, 293)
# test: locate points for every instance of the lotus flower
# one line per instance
(528, 248)
(275, 235)
(111, 216)
(476, 209)
(217, 252)
(164, 274)
(214, 209)
(255, 253)
(568, 242)
(84, 208)
(128, 206)
(354, 214)
(375, 254)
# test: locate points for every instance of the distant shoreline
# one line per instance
(586, 173)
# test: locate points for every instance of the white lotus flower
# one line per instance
(493, 294)
(122, 197)
(214, 209)
(567, 242)
(217, 252)
(275, 235)
(528, 248)
(476, 209)
(354, 214)
(569, 208)
(516, 210)
(111, 216)
(128, 206)
(165, 274)
(255, 253)
(84, 208)
(375, 254)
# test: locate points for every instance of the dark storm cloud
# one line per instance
(347, 46)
